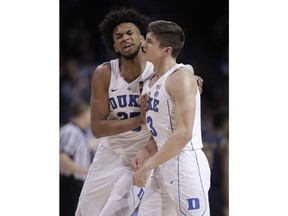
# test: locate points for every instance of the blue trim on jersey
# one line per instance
(192, 145)
(170, 117)
(134, 198)
(179, 186)
(201, 182)
(132, 189)
(179, 200)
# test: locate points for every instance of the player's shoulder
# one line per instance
(105, 66)
(150, 65)
(182, 73)
(189, 67)
(148, 72)
(102, 71)
(183, 76)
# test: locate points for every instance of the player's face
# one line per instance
(127, 40)
(151, 48)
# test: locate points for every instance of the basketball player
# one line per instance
(116, 118)
(181, 174)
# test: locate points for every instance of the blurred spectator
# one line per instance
(216, 149)
(207, 48)
(72, 85)
(75, 156)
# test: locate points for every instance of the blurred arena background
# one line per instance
(207, 45)
(206, 24)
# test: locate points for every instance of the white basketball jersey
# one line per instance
(123, 100)
(160, 116)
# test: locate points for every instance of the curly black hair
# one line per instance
(118, 16)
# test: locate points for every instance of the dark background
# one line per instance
(206, 49)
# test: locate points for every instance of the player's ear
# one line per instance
(142, 38)
(167, 50)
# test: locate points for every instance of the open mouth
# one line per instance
(126, 47)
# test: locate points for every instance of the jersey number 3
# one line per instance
(152, 129)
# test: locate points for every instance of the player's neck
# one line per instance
(162, 67)
(131, 69)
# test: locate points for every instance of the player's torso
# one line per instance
(123, 102)
(160, 116)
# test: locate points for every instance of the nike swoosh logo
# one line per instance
(113, 90)
(171, 181)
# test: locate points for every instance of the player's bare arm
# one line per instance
(148, 151)
(184, 95)
(99, 103)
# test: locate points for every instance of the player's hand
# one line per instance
(143, 107)
(141, 176)
(139, 159)
(200, 83)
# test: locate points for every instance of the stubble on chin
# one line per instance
(132, 55)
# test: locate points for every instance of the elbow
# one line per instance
(96, 130)
(186, 136)
(97, 133)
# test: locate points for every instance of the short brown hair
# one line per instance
(169, 34)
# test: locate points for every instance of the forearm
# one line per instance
(145, 153)
(172, 147)
(102, 128)
(151, 148)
